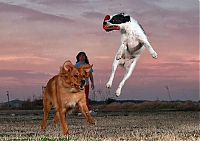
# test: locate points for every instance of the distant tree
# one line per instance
(110, 100)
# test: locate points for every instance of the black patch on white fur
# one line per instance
(120, 18)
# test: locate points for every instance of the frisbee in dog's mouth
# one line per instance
(110, 28)
(107, 27)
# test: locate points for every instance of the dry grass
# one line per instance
(115, 126)
(151, 106)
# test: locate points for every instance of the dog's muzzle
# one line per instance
(107, 27)
(82, 84)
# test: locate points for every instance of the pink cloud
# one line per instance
(39, 36)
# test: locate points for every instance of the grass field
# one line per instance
(111, 126)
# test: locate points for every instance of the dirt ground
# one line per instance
(111, 126)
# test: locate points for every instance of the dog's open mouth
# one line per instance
(110, 28)
(107, 27)
(82, 84)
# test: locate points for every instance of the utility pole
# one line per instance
(169, 94)
(7, 93)
(33, 97)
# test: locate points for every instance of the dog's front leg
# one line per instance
(61, 109)
(114, 67)
(149, 47)
(129, 69)
(120, 51)
(63, 121)
(151, 50)
(57, 117)
(84, 109)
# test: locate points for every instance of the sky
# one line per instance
(37, 36)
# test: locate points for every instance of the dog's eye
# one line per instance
(76, 76)
(113, 20)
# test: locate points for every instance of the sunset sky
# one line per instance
(37, 36)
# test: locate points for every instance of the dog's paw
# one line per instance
(108, 85)
(92, 121)
(154, 55)
(66, 132)
(118, 56)
(118, 92)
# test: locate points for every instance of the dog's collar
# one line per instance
(136, 47)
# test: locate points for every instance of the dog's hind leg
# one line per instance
(129, 67)
(114, 67)
(47, 107)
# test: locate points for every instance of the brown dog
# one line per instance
(64, 91)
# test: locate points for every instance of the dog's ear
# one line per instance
(87, 68)
(127, 18)
(67, 62)
(68, 66)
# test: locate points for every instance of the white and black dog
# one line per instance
(133, 43)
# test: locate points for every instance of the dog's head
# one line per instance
(84, 73)
(115, 22)
(71, 74)
(76, 77)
